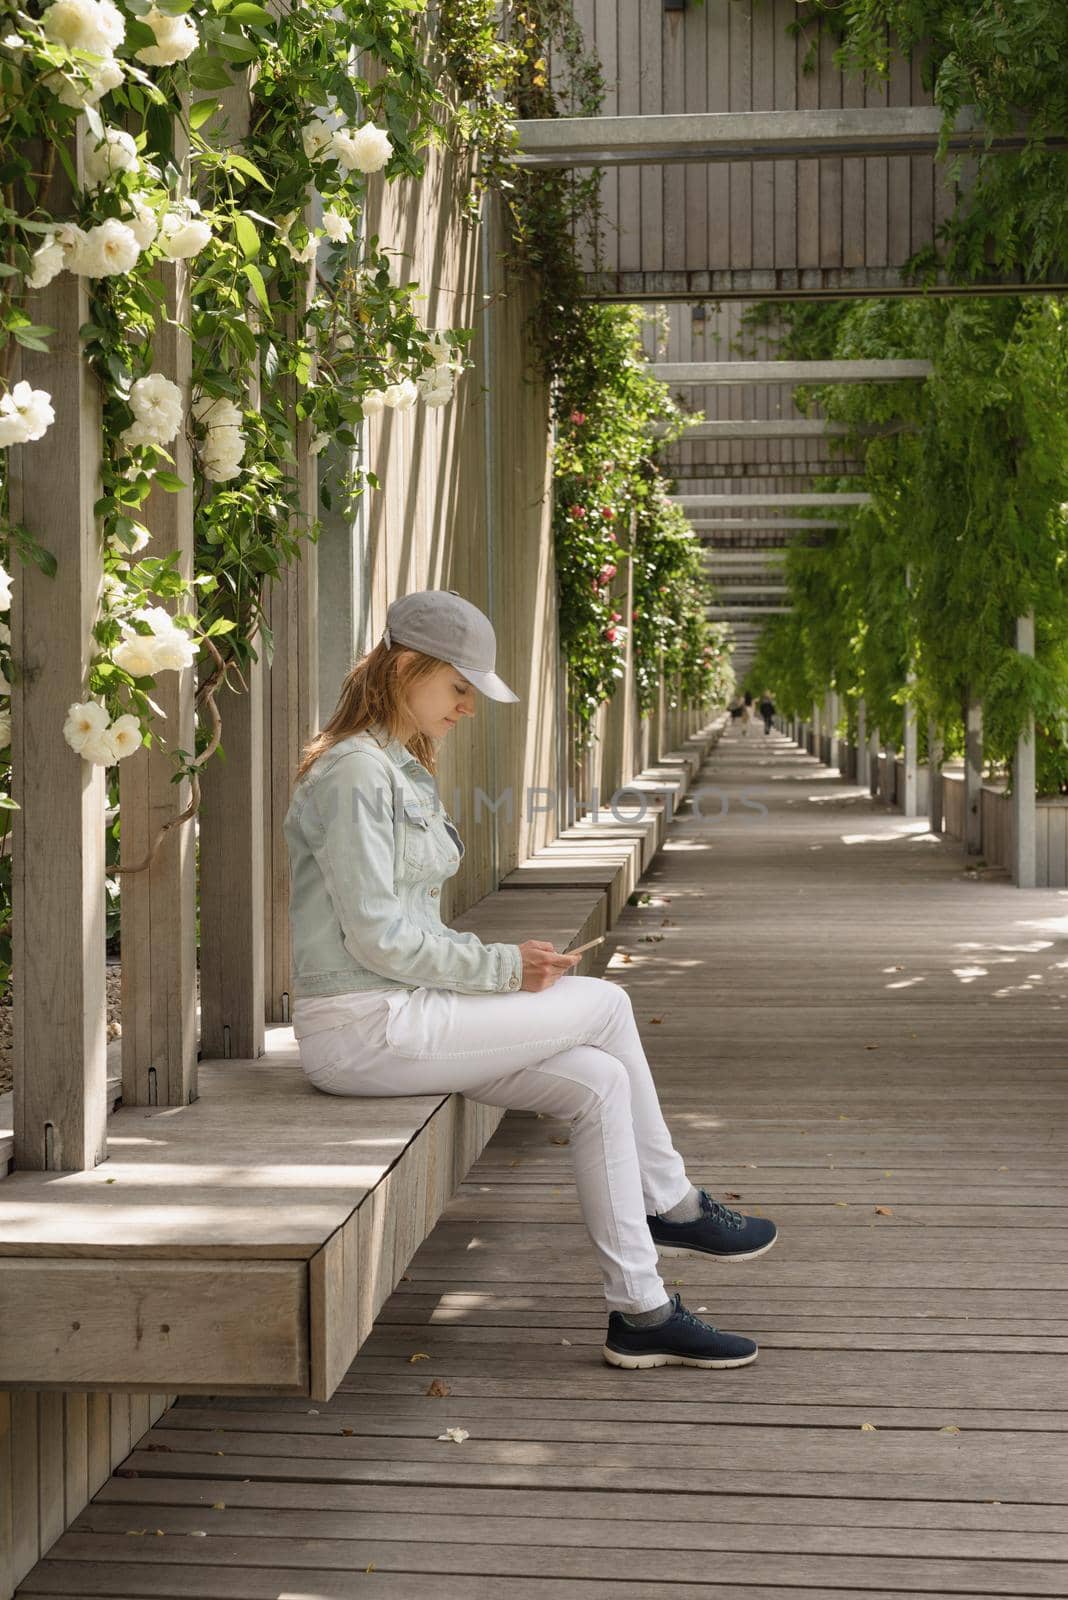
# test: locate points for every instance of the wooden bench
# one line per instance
(244, 1244)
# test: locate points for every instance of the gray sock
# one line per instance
(649, 1319)
(687, 1210)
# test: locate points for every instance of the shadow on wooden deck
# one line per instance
(849, 1035)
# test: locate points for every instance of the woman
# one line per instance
(387, 1000)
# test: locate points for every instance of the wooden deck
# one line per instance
(849, 1035)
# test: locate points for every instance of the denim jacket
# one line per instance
(369, 849)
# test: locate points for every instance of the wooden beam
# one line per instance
(803, 428)
(721, 372)
(57, 861)
(722, 613)
(727, 502)
(713, 136)
(759, 525)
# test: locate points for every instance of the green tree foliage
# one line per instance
(1007, 59)
(968, 528)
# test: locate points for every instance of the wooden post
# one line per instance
(973, 777)
(908, 800)
(159, 1023)
(57, 871)
(1023, 777)
(291, 709)
(935, 781)
(863, 763)
(874, 747)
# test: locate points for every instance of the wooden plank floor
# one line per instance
(850, 1035)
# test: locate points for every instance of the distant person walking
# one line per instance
(767, 709)
(737, 710)
(747, 711)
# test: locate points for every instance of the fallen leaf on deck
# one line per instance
(348, 1432)
(731, 1194)
(420, 1355)
(438, 1389)
(197, 1533)
(889, 1173)
(841, 1202)
(559, 1139)
(219, 1505)
(949, 1428)
(370, 1567)
(871, 1047)
(313, 1413)
(884, 1211)
(135, 1532)
(656, 1019)
(457, 1435)
(406, 1277)
(565, 1341)
(625, 955)
(868, 1427)
(702, 1308)
(842, 1117)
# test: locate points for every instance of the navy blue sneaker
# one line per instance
(718, 1231)
(682, 1341)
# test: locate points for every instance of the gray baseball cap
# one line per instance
(443, 624)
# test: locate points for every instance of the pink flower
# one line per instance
(610, 635)
(635, 615)
(577, 417)
(607, 573)
(611, 535)
(606, 511)
(578, 511)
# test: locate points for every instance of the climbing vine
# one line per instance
(1007, 61)
(968, 528)
(608, 500)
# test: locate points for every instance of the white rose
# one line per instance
(115, 153)
(338, 228)
(85, 720)
(48, 262)
(401, 396)
(181, 237)
(99, 749)
(372, 402)
(5, 728)
(27, 413)
(124, 736)
(438, 395)
(141, 538)
(111, 247)
(5, 592)
(144, 224)
(366, 150)
(102, 79)
(317, 138)
(156, 403)
(135, 653)
(174, 650)
(93, 25)
(221, 454)
(176, 38)
(216, 411)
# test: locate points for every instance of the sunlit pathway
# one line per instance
(850, 1035)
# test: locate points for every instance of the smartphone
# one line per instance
(577, 951)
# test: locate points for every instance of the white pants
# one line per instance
(570, 1051)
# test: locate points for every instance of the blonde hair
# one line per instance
(373, 694)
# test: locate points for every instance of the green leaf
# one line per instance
(245, 11)
(169, 481)
(201, 111)
(248, 238)
(242, 164)
(255, 277)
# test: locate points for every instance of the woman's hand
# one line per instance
(543, 963)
